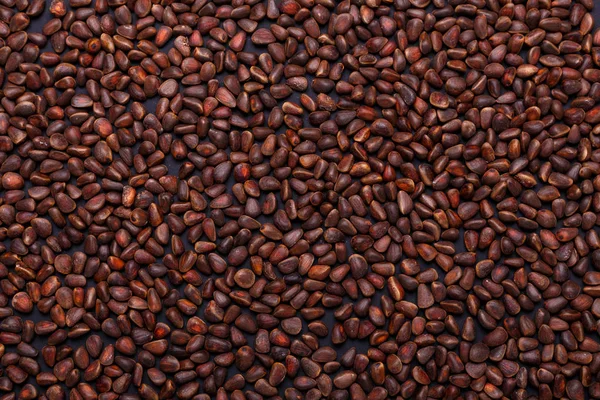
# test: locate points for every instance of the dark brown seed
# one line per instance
(255, 168)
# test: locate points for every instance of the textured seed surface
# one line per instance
(295, 199)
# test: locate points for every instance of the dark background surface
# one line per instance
(361, 345)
